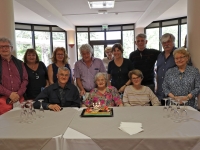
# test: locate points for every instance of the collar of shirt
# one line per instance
(163, 53)
(56, 86)
(141, 51)
(6, 59)
(93, 58)
(186, 70)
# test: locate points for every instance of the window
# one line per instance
(94, 36)
(155, 30)
(23, 42)
(113, 35)
(99, 39)
(153, 38)
(58, 39)
(183, 33)
(82, 38)
(128, 43)
(41, 40)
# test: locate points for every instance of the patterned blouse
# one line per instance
(182, 83)
(110, 98)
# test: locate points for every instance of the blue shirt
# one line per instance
(182, 83)
(163, 64)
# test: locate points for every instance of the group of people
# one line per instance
(112, 81)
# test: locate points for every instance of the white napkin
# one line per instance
(131, 127)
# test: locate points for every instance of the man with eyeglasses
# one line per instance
(13, 77)
(60, 94)
(164, 62)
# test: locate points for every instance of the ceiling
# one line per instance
(70, 13)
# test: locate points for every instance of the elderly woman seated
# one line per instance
(103, 94)
(183, 81)
(137, 94)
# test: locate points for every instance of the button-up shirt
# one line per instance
(11, 81)
(182, 83)
(87, 74)
(163, 64)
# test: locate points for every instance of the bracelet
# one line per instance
(188, 97)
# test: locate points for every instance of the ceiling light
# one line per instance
(102, 12)
(93, 4)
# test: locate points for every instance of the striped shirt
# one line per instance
(142, 97)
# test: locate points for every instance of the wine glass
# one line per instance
(29, 113)
(41, 110)
(176, 118)
(23, 112)
(184, 112)
(172, 108)
(165, 109)
(170, 103)
(32, 108)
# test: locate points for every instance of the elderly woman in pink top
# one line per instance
(103, 94)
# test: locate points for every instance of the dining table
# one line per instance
(68, 130)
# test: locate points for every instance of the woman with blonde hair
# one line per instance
(183, 81)
(59, 59)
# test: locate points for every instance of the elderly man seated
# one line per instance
(60, 94)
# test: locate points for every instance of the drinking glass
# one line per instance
(171, 108)
(177, 117)
(41, 110)
(29, 115)
(23, 112)
(32, 108)
(165, 109)
(184, 112)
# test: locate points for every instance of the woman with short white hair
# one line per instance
(183, 81)
(103, 94)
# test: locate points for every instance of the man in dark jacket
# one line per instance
(60, 94)
(144, 59)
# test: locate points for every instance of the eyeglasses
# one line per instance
(179, 58)
(36, 75)
(5, 46)
(60, 54)
(136, 78)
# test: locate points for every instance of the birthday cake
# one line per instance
(100, 112)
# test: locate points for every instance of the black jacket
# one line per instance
(51, 95)
(145, 61)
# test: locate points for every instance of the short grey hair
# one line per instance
(4, 39)
(100, 74)
(141, 35)
(86, 47)
(63, 69)
(165, 37)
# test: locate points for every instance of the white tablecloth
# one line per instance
(66, 130)
(43, 134)
(159, 133)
